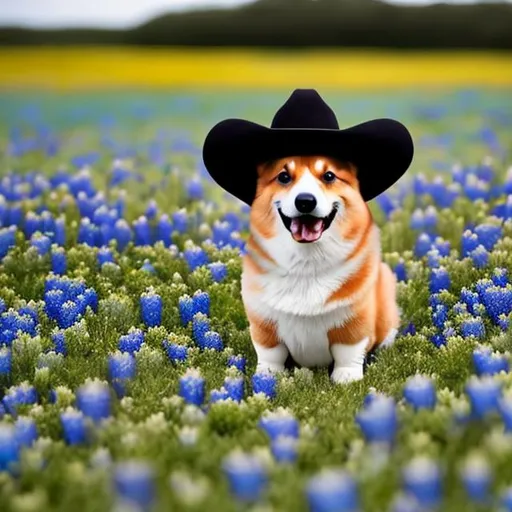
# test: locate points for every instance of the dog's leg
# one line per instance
(388, 317)
(348, 361)
(350, 342)
(271, 353)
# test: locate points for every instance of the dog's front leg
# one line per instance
(271, 353)
(349, 344)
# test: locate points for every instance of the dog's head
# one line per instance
(308, 197)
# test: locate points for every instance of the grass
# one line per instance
(125, 150)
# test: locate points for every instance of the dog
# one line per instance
(314, 285)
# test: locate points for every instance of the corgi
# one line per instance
(313, 284)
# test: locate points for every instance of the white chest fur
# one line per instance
(294, 292)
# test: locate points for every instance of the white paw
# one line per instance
(270, 367)
(344, 375)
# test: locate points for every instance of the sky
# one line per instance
(114, 13)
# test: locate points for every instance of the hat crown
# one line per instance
(305, 108)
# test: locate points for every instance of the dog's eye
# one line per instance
(329, 177)
(284, 177)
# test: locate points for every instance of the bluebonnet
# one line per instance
(9, 448)
(5, 360)
(164, 230)
(25, 431)
(131, 341)
(433, 258)
(147, 266)
(217, 395)
(7, 240)
(74, 426)
(470, 298)
(187, 309)
(440, 316)
(423, 244)
(417, 220)
(142, 231)
(195, 257)
(151, 209)
(476, 476)
(488, 235)
(195, 189)
(105, 255)
(23, 394)
(264, 382)
(439, 280)
(469, 242)
(500, 277)
(59, 261)
(332, 490)
(488, 363)
(135, 483)
(480, 257)
(218, 271)
(180, 221)
(484, 393)
(247, 477)
(175, 352)
(201, 302)
(420, 392)
(123, 234)
(192, 387)
(122, 368)
(279, 423)
(93, 399)
(378, 420)
(422, 479)
(284, 449)
(473, 327)
(151, 306)
(238, 361)
(200, 326)
(400, 270)
(235, 387)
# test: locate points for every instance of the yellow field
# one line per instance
(88, 68)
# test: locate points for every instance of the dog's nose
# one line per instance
(305, 203)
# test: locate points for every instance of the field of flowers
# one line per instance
(126, 369)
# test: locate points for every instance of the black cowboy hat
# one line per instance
(381, 149)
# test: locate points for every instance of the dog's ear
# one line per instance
(264, 167)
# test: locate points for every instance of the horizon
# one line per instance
(125, 13)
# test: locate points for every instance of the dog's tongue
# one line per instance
(306, 231)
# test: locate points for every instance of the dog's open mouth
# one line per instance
(307, 228)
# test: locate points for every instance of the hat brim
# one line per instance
(381, 149)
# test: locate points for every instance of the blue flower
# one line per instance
(237, 361)
(423, 245)
(201, 301)
(25, 431)
(151, 306)
(480, 257)
(422, 479)
(420, 392)
(195, 257)
(210, 340)
(164, 230)
(433, 258)
(279, 423)
(9, 448)
(473, 327)
(195, 189)
(105, 255)
(132, 341)
(477, 479)
(93, 399)
(264, 382)
(440, 316)
(417, 220)
(484, 394)
(192, 387)
(59, 261)
(400, 270)
(246, 474)
(469, 242)
(378, 420)
(218, 271)
(180, 221)
(488, 235)
(217, 395)
(497, 301)
(135, 483)
(284, 449)
(439, 280)
(500, 277)
(151, 209)
(200, 326)
(175, 352)
(5, 360)
(235, 387)
(488, 363)
(332, 490)
(121, 369)
(122, 234)
(186, 308)
(73, 426)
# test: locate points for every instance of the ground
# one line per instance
(122, 319)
